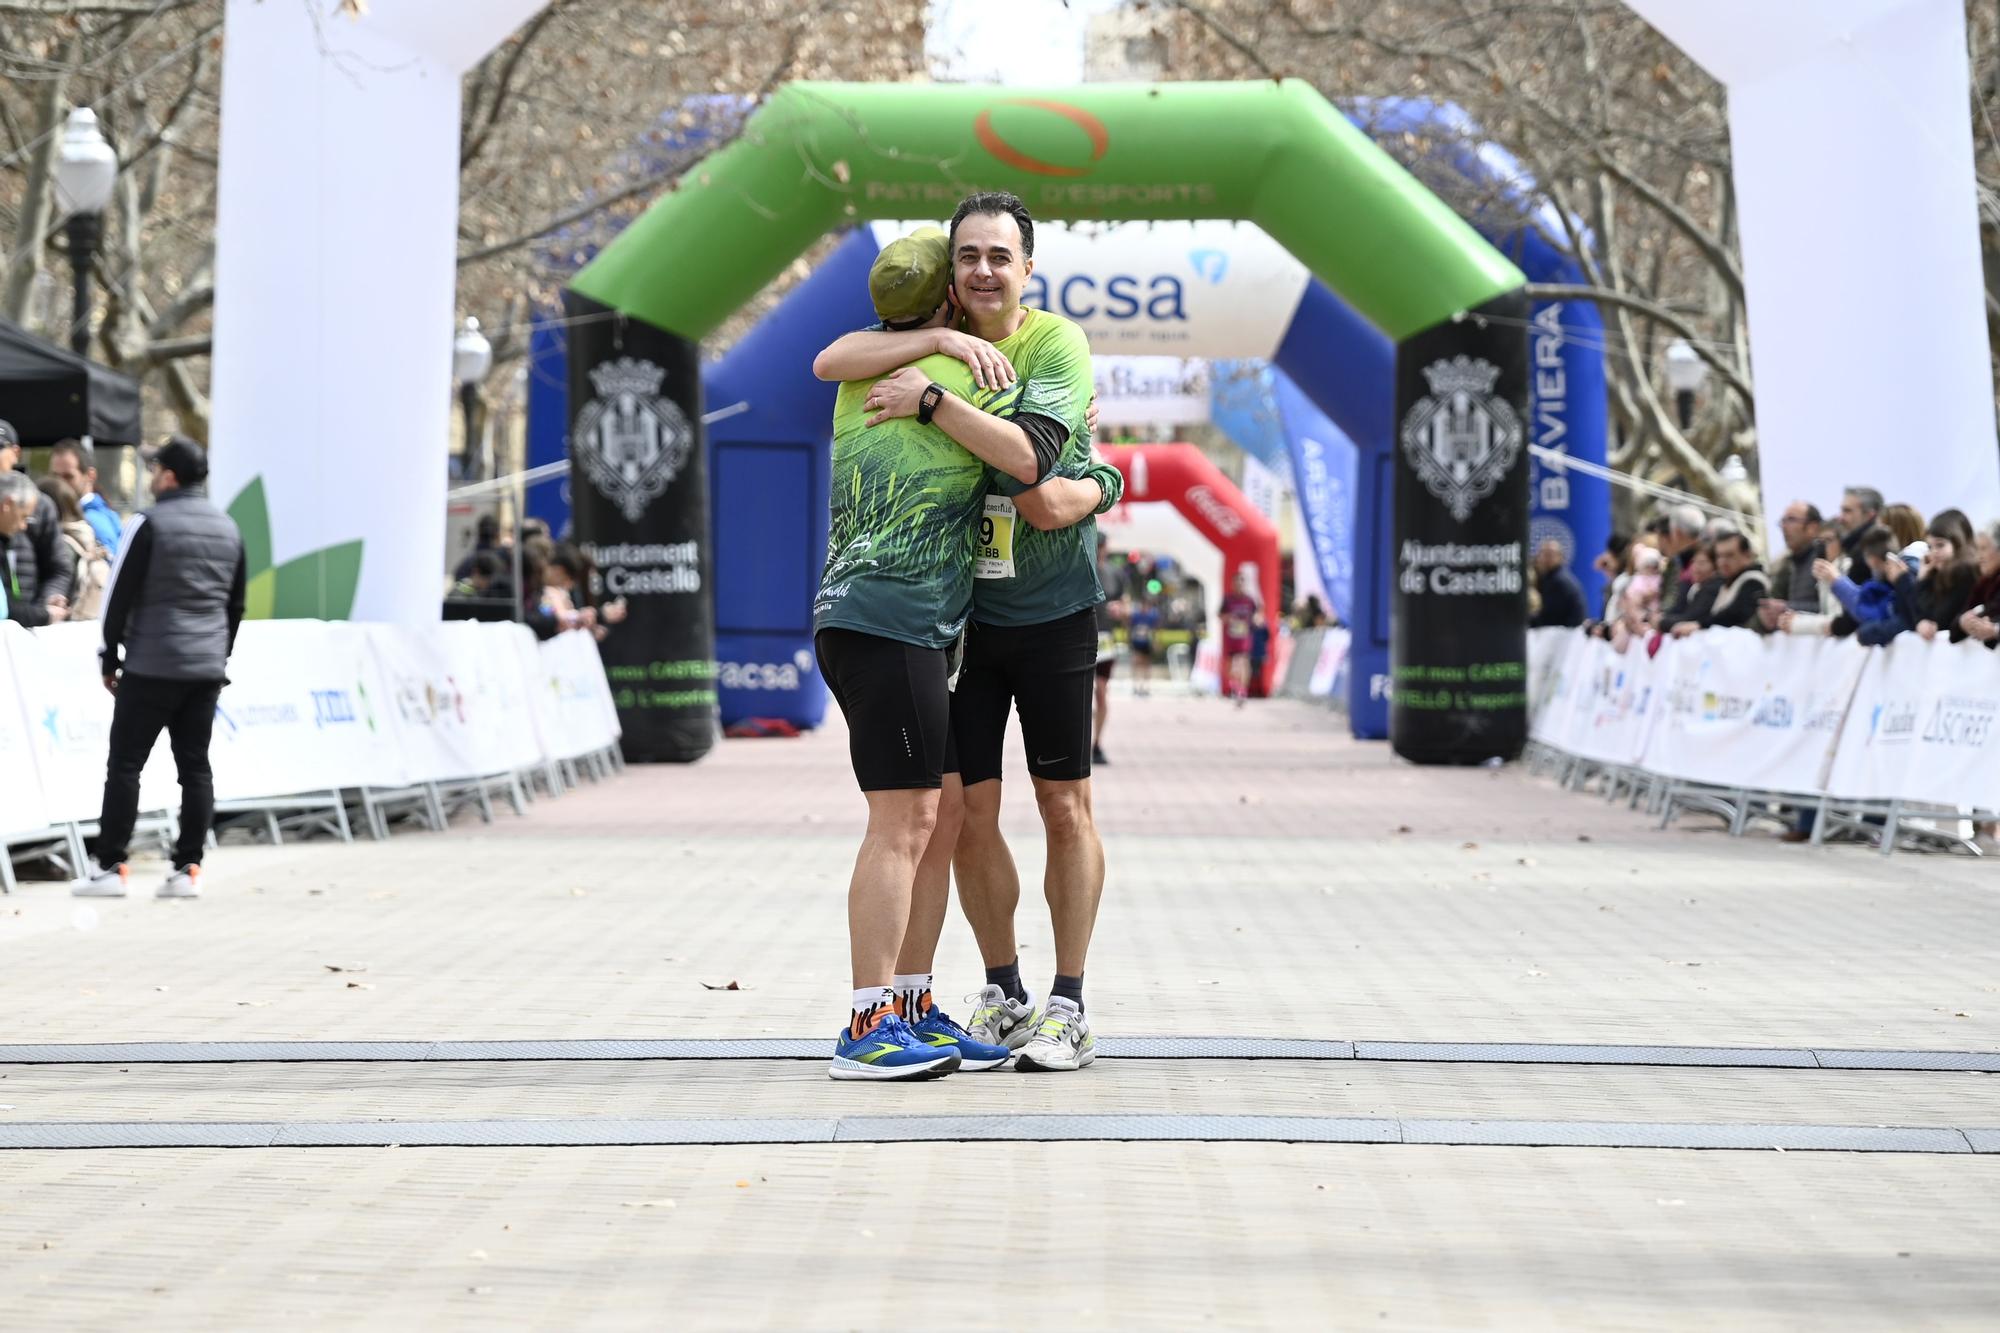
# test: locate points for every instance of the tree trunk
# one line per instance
(24, 259)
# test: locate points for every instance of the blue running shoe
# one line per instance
(889, 1050)
(938, 1031)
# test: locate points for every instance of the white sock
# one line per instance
(911, 987)
(867, 998)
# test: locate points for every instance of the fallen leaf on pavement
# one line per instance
(650, 1203)
(345, 967)
(717, 985)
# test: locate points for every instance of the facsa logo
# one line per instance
(1123, 296)
(1211, 266)
(758, 675)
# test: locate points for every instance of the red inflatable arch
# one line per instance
(1182, 475)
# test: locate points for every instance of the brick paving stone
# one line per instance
(800, 1088)
(1258, 886)
(1112, 1236)
(1268, 878)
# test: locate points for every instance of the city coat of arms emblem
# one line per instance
(1461, 438)
(631, 441)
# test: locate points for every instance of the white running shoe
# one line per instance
(999, 1020)
(98, 881)
(182, 883)
(1062, 1042)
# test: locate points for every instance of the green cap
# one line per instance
(909, 278)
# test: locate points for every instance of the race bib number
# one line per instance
(995, 557)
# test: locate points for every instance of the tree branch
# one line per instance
(504, 84)
(1557, 291)
(70, 8)
(658, 180)
(1717, 255)
(1235, 43)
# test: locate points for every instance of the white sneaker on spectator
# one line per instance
(184, 882)
(98, 881)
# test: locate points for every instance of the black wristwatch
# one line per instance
(927, 404)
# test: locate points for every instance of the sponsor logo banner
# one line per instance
(1182, 289)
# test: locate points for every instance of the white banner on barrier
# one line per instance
(305, 710)
(1753, 712)
(1563, 688)
(311, 706)
(1613, 708)
(496, 692)
(1333, 651)
(69, 722)
(446, 730)
(21, 807)
(580, 717)
(1922, 727)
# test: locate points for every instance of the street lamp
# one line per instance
(1686, 373)
(86, 169)
(471, 359)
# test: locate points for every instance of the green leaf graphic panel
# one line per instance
(319, 585)
(252, 517)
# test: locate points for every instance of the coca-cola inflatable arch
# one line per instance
(1181, 475)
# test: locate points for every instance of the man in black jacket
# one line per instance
(170, 620)
(39, 569)
(1562, 595)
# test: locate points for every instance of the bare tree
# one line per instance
(570, 128)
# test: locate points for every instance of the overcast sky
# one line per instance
(1021, 41)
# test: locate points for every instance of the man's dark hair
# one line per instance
(1656, 526)
(1877, 541)
(995, 203)
(1741, 543)
(1616, 545)
(1813, 515)
(85, 456)
(489, 529)
(1867, 497)
(570, 558)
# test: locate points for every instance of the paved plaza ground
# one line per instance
(1366, 927)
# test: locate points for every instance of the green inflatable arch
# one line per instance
(819, 156)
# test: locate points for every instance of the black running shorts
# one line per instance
(1047, 673)
(897, 703)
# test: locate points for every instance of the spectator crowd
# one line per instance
(561, 588)
(1872, 572)
(58, 537)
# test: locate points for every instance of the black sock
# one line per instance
(1008, 979)
(1069, 988)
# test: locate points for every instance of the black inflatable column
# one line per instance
(639, 492)
(1459, 638)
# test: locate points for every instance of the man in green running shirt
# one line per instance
(906, 502)
(1032, 640)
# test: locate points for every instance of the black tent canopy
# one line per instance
(52, 394)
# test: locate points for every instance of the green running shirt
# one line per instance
(1026, 576)
(905, 513)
